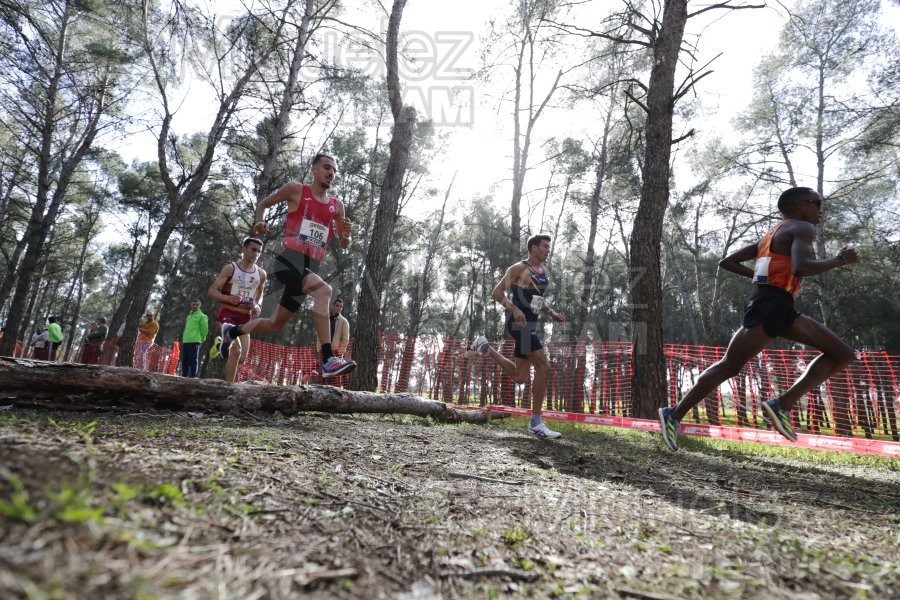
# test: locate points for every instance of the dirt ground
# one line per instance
(166, 505)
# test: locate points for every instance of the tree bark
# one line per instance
(11, 276)
(649, 365)
(16, 169)
(375, 273)
(29, 383)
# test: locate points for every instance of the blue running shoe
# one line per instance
(669, 428)
(779, 419)
(336, 365)
(225, 346)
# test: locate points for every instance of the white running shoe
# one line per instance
(542, 431)
(479, 346)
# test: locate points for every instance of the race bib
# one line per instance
(247, 302)
(761, 270)
(313, 233)
(537, 303)
(247, 294)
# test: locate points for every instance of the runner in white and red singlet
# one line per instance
(313, 218)
(238, 289)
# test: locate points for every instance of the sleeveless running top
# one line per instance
(530, 299)
(774, 269)
(309, 228)
(244, 284)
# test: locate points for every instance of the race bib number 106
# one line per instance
(313, 233)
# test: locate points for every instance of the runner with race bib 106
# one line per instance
(313, 218)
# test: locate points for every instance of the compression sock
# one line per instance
(327, 352)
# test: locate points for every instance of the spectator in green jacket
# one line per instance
(54, 336)
(196, 327)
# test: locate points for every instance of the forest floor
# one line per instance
(167, 505)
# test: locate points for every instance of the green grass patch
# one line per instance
(805, 455)
(712, 445)
(18, 507)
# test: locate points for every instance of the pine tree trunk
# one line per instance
(137, 292)
(649, 366)
(10, 278)
(376, 266)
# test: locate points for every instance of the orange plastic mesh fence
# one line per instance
(595, 378)
(285, 365)
(152, 357)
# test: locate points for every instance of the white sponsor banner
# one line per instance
(829, 443)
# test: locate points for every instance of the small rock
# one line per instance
(421, 590)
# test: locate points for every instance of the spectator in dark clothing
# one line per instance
(93, 344)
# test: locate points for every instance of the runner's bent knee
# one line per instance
(541, 366)
(315, 286)
(730, 367)
(322, 290)
(844, 355)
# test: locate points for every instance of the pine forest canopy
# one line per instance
(137, 137)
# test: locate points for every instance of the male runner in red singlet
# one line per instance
(783, 256)
(313, 218)
(526, 283)
(238, 289)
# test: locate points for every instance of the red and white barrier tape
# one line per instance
(772, 438)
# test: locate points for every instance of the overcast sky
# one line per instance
(446, 40)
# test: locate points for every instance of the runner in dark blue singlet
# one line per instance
(525, 336)
(525, 283)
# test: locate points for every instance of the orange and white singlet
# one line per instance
(309, 228)
(774, 269)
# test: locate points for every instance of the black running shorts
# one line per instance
(524, 336)
(773, 307)
(291, 268)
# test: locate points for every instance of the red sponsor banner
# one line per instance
(758, 436)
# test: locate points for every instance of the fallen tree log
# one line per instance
(65, 386)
